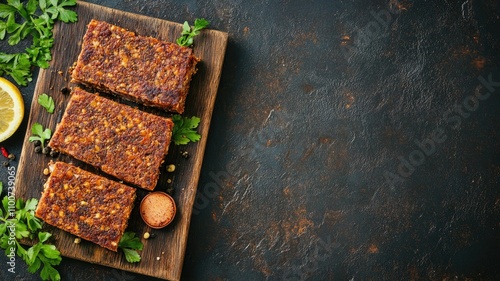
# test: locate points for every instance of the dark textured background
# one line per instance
(313, 169)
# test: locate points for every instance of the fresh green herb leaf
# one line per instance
(129, 240)
(131, 255)
(40, 134)
(24, 224)
(1, 210)
(18, 66)
(5, 205)
(37, 129)
(48, 256)
(184, 129)
(49, 272)
(189, 33)
(25, 213)
(58, 11)
(34, 18)
(34, 266)
(46, 102)
(31, 204)
(129, 244)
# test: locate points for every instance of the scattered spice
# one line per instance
(5, 153)
(171, 168)
(146, 235)
(184, 154)
(170, 190)
(78, 240)
(46, 171)
(37, 143)
(46, 150)
(156, 217)
(65, 90)
(53, 153)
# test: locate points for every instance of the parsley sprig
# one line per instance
(46, 102)
(129, 245)
(189, 33)
(40, 134)
(184, 130)
(20, 223)
(36, 19)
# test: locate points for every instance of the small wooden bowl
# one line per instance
(157, 209)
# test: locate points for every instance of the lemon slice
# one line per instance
(11, 109)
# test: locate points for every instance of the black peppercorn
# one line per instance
(65, 90)
(53, 153)
(37, 143)
(38, 149)
(46, 150)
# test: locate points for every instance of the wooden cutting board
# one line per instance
(162, 255)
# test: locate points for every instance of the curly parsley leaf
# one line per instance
(184, 130)
(46, 102)
(189, 33)
(129, 244)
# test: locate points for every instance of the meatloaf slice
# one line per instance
(139, 68)
(86, 205)
(122, 141)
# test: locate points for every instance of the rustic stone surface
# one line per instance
(346, 143)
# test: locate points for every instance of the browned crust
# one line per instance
(86, 205)
(122, 141)
(138, 68)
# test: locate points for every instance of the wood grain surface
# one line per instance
(162, 255)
